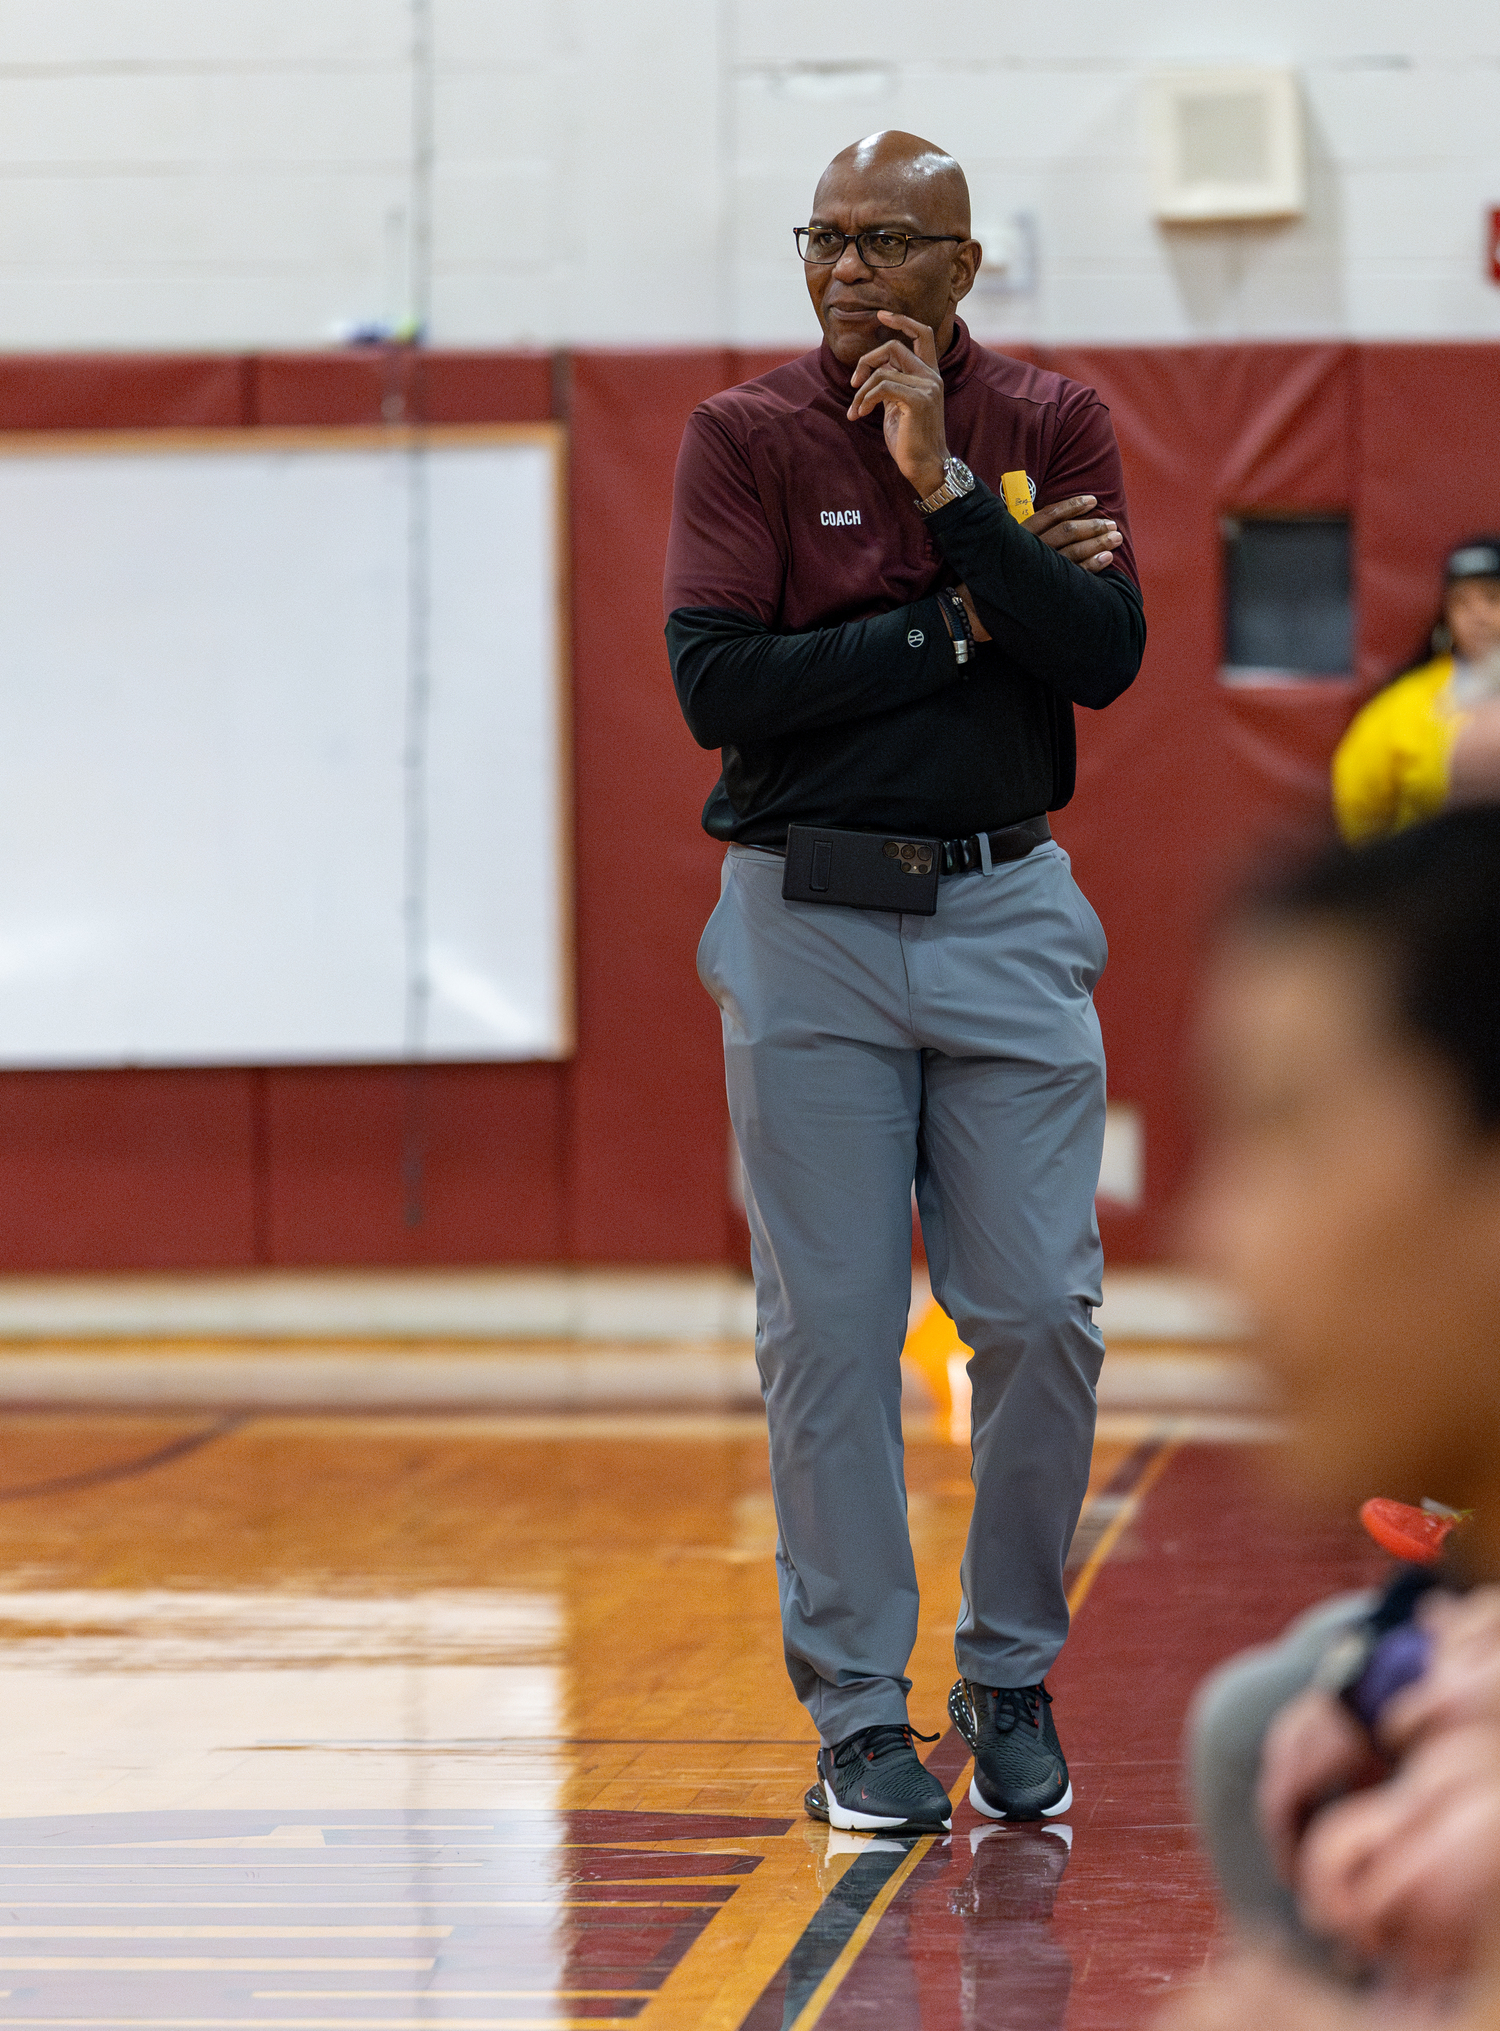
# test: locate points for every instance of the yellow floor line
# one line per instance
(855, 1944)
(1078, 1593)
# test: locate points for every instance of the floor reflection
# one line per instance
(854, 1899)
(133, 1699)
(223, 1918)
(1013, 1970)
(966, 1940)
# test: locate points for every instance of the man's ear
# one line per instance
(966, 260)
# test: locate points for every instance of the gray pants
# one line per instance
(865, 1053)
(1226, 1731)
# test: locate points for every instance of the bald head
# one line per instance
(905, 185)
(927, 181)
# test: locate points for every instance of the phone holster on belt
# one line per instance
(861, 870)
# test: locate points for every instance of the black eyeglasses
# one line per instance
(821, 246)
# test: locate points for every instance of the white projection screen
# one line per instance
(282, 748)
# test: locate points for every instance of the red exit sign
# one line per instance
(1494, 244)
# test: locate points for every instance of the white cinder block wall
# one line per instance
(231, 173)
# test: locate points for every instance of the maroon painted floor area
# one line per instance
(1014, 1928)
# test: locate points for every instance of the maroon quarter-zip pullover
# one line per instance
(804, 632)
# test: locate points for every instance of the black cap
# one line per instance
(1479, 557)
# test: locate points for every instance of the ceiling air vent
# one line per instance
(1226, 144)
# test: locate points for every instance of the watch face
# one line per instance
(957, 474)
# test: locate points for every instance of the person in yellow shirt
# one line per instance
(1429, 738)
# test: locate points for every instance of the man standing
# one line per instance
(888, 657)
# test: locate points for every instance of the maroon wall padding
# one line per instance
(127, 1170)
(648, 1136)
(1177, 781)
(395, 384)
(123, 391)
(1428, 454)
(619, 1156)
(422, 1164)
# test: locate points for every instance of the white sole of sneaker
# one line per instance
(850, 1822)
(981, 1804)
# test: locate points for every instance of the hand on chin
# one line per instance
(853, 332)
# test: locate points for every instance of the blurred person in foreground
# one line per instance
(1350, 1190)
(1432, 737)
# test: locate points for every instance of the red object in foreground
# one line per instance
(1406, 1533)
(1494, 246)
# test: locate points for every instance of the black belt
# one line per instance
(1011, 842)
(964, 856)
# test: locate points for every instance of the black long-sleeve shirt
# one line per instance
(805, 636)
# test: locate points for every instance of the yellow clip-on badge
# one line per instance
(1018, 495)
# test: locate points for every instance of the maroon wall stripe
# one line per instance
(620, 1154)
(124, 391)
(649, 1127)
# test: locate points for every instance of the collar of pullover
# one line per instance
(953, 366)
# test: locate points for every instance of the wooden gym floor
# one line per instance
(471, 1722)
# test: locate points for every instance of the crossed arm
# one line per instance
(737, 681)
(1043, 593)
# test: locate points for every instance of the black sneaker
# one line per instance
(875, 1782)
(1019, 1768)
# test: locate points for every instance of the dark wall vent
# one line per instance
(1287, 611)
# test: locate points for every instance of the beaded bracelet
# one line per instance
(963, 639)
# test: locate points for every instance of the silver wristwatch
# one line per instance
(957, 481)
